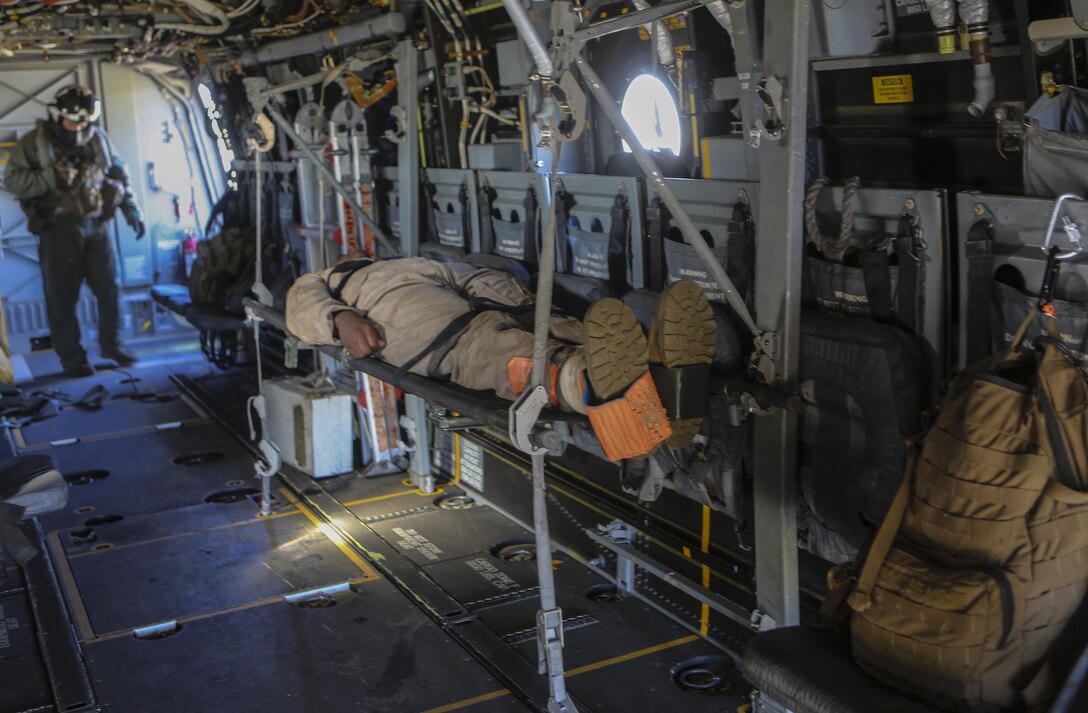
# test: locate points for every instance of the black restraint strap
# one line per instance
(563, 203)
(452, 332)
(350, 267)
(658, 218)
(429, 208)
(466, 222)
(907, 305)
(487, 232)
(741, 251)
(878, 279)
(619, 238)
(532, 228)
(980, 270)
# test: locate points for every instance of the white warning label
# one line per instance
(472, 465)
(500, 580)
(410, 539)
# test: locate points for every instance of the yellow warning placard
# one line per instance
(894, 89)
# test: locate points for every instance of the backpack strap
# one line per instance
(487, 231)
(619, 238)
(862, 596)
(980, 270)
(657, 217)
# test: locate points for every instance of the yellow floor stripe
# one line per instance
(377, 498)
(571, 673)
(333, 535)
(704, 545)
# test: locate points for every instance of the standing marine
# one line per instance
(70, 182)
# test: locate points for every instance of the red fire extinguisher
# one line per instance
(188, 251)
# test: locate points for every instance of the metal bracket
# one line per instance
(524, 414)
(762, 622)
(572, 108)
(765, 358)
(290, 352)
(771, 121)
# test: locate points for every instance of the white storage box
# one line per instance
(311, 426)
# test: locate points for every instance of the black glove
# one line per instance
(138, 225)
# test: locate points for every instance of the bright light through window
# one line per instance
(222, 139)
(651, 111)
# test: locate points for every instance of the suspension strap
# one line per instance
(980, 270)
(878, 279)
(619, 238)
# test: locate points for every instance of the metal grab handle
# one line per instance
(1074, 232)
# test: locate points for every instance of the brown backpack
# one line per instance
(983, 556)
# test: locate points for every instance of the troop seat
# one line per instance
(809, 669)
(450, 214)
(510, 207)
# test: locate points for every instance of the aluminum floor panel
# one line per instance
(375, 653)
(142, 477)
(115, 418)
(20, 658)
(441, 535)
(167, 579)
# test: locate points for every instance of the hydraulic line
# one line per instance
(222, 22)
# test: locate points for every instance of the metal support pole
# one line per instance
(319, 163)
(749, 65)
(406, 57)
(338, 172)
(661, 188)
(419, 470)
(778, 305)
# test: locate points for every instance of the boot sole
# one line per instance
(615, 348)
(683, 330)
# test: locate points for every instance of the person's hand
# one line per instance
(139, 226)
(359, 335)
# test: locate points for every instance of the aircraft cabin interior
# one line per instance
(414, 356)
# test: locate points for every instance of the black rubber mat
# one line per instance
(149, 472)
(115, 418)
(174, 577)
(375, 652)
(442, 535)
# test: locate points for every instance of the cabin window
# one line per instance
(651, 110)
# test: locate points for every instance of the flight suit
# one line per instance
(413, 300)
(69, 194)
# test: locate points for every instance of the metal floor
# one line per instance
(162, 590)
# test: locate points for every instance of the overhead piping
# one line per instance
(205, 8)
(387, 25)
(976, 15)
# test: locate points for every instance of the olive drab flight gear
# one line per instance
(979, 564)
